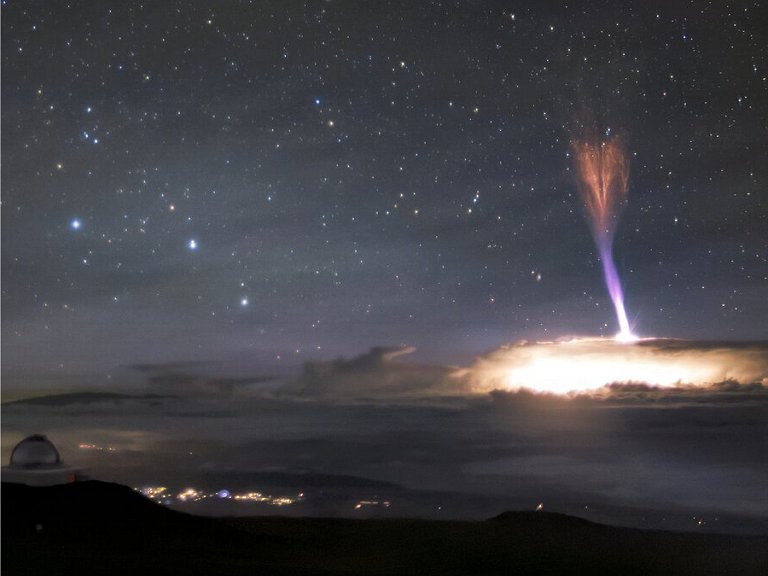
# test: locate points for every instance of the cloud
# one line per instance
(82, 398)
(686, 448)
(186, 378)
(588, 364)
(375, 374)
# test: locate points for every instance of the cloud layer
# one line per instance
(684, 450)
(586, 364)
(377, 374)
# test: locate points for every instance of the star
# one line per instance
(75, 224)
(192, 244)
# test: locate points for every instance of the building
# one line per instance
(35, 461)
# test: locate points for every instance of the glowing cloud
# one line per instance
(602, 172)
(589, 364)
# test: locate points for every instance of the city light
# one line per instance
(163, 495)
(371, 503)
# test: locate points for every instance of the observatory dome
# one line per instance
(35, 451)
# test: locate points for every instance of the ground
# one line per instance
(97, 528)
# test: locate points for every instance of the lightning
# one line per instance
(602, 367)
(602, 174)
(587, 365)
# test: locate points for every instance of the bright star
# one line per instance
(192, 245)
(75, 224)
(244, 302)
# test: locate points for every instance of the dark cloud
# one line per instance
(85, 398)
(190, 378)
(376, 374)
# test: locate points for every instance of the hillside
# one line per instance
(97, 528)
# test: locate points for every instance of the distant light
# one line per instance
(89, 109)
(627, 337)
(192, 245)
(244, 302)
(317, 101)
(75, 224)
(223, 494)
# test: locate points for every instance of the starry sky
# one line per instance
(260, 184)
(240, 215)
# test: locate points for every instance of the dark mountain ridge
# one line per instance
(96, 528)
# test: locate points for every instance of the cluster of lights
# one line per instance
(266, 498)
(190, 494)
(372, 503)
(154, 492)
(96, 447)
(253, 496)
(162, 494)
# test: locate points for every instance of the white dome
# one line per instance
(35, 451)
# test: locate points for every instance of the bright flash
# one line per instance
(588, 364)
(626, 337)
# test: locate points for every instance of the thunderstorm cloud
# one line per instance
(579, 365)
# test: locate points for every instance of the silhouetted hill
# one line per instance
(542, 518)
(100, 528)
(83, 398)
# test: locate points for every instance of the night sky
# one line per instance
(241, 188)
(188, 180)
